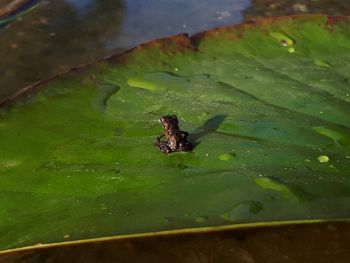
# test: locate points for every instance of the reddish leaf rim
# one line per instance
(181, 40)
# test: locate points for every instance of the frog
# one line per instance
(176, 140)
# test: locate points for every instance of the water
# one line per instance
(283, 39)
(60, 34)
(226, 156)
(323, 159)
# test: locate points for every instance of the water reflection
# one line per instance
(148, 19)
(63, 33)
(56, 35)
(82, 7)
(265, 8)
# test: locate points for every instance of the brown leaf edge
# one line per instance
(179, 42)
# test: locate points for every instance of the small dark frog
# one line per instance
(176, 140)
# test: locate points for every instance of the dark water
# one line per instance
(62, 33)
(288, 244)
(59, 34)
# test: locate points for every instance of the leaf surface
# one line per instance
(264, 102)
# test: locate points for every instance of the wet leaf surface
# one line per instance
(78, 161)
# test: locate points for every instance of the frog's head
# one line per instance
(170, 122)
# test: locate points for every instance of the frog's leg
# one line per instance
(185, 135)
(163, 146)
(185, 145)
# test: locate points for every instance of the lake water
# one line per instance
(59, 34)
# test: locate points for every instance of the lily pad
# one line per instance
(78, 158)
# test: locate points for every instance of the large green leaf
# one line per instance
(267, 105)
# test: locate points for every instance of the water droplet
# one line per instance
(323, 159)
(283, 39)
(201, 219)
(307, 160)
(9, 163)
(169, 219)
(103, 206)
(337, 135)
(272, 184)
(176, 69)
(66, 236)
(140, 83)
(291, 50)
(347, 157)
(243, 209)
(322, 64)
(226, 156)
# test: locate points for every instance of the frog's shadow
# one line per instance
(210, 125)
